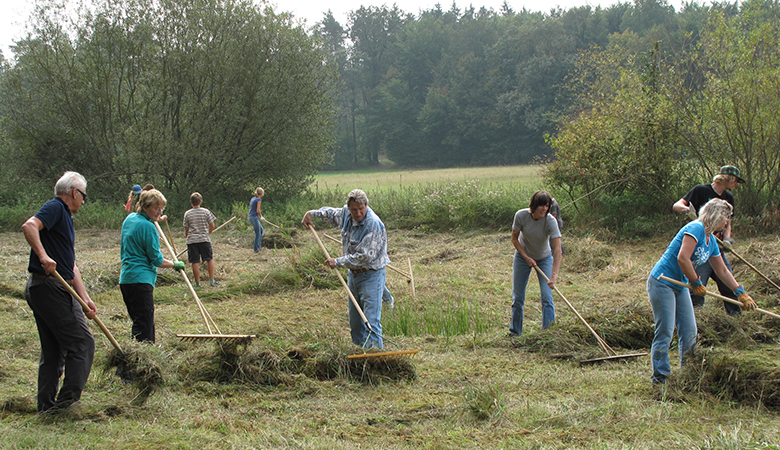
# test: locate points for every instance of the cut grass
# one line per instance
(471, 387)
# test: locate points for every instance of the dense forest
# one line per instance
(470, 86)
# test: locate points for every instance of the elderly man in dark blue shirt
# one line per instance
(66, 343)
(364, 241)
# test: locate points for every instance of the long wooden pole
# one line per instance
(748, 264)
(601, 341)
(718, 296)
(394, 269)
(86, 308)
(170, 236)
(269, 223)
(344, 283)
(205, 314)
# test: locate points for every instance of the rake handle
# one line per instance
(170, 236)
(203, 312)
(225, 223)
(269, 223)
(718, 296)
(395, 269)
(601, 341)
(749, 265)
(86, 308)
(341, 278)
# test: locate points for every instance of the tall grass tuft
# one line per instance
(463, 317)
(484, 402)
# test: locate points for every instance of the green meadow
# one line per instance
(469, 386)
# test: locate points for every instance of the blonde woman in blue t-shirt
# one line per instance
(693, 245)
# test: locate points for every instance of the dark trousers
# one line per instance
(139, 299)
(705, 272)
(66, 343)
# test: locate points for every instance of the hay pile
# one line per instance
(752, 378)
(140, 363)
(231, 363)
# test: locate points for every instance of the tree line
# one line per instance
(469, 87)
(630, 104)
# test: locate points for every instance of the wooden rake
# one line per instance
(718, 296)
(211, 326)
(86, 308)
(409, 276)
(611, 354)
(384, 356)
(731, 250)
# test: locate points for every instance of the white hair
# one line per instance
(68, 181)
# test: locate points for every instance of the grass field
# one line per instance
(506, 176)
(472, 386)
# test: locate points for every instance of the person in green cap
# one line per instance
(725, 181)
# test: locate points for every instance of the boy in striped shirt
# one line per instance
(198, 225)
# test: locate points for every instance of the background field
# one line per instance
(506, 176)
(474, 388)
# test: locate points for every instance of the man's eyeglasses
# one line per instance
(83, 195)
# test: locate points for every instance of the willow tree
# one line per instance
(208, 95)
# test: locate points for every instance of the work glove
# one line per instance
(747, 301)
(698, 288)
(178, 265)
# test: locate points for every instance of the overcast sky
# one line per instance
(14, 13)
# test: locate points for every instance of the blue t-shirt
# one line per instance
(703, 251)
(253, 206)
(58, 238)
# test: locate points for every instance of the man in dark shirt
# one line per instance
(726, 180)
(66, 343)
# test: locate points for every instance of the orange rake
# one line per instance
(210, 324)
(383, 356)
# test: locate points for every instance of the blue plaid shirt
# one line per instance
(364, 243)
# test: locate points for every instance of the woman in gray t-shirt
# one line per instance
(533, 231)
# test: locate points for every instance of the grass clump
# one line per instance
(142, 363)
(587, 254)
(484, 402)
(746, 378)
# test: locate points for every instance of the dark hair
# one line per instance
(540, 198)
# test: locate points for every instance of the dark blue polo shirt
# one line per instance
(58, 238)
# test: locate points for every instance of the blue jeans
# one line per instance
(670, 308)
(705, 272)
(367, 287)
(255, 221)
(521, 271)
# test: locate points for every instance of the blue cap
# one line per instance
(137, 189)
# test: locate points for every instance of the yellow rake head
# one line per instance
(235, 338)
(386, 356)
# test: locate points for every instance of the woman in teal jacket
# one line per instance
(141, 256)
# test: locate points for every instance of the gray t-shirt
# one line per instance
(535, 234)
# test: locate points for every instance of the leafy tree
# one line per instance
(208, 95)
